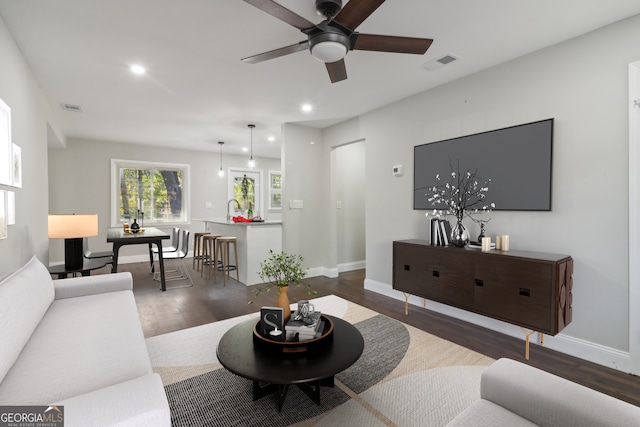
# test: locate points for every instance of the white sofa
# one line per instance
(77, 343)
(514, 394)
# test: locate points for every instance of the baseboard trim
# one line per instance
(322, 271)
(586, 350)
(350, 266)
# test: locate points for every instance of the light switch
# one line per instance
(298, 204)
(208, 205)
(338, 204)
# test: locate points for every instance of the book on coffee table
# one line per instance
(306, 327)
(271, 318)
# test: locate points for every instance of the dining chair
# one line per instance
(177, 257)
(92, 255)
(173, 247)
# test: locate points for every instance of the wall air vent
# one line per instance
(434, 64)
(72, 108)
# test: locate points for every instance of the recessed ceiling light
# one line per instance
(307, 108)
(138, 69)
(312, 142)
(271, 138)
(245, 149)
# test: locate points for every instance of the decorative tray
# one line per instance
(130, 231)
(278, 345)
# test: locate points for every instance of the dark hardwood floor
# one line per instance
(208, 301)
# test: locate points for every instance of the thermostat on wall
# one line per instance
(398, 170)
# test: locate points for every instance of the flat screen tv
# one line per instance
(517, 159)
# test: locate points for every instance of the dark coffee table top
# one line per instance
(236, 352)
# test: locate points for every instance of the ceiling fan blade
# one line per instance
(265, 56)
(392, 43)
(337, 71)
(282, 13)
(355, 12)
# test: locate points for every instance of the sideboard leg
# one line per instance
(424, 302)
(406, 303)
(526, 345)
(541, 339)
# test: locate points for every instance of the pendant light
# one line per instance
(221, 171)
(252, 163)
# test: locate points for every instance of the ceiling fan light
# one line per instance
(329, 51)
(329, 47)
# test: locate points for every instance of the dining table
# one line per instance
(149, 236)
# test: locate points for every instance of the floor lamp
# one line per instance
(73, 228)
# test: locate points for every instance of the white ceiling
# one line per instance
(197, 91)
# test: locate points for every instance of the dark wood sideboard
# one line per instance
(528, 289)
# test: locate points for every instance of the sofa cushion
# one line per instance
(138, 402)
(483, 413)
(82, 344)
(25, 296)
(549, 400)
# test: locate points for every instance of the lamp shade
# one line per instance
(73, 226)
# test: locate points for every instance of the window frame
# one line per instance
(273, 191)
(234, 172)
(117, 164)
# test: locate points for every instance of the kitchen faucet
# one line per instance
(229, 208)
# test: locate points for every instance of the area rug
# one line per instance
(405, 377)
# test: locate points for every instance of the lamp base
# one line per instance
(73, 256)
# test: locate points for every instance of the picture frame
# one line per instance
(3, 214)
(270, 319)
(6, 147)
(17, 166)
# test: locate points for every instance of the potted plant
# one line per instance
(279, 271)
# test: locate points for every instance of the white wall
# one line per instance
(582, 83)
(85, 165)
(304, 176)
(30, 119)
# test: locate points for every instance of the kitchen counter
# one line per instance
(254, 240)
(223, 221)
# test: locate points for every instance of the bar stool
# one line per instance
(209, 252)
(197, 248)
(223, 249)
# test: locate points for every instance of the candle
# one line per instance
(505, 242)
(486, 244)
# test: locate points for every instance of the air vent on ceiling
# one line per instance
(434, 64)
(72, 108)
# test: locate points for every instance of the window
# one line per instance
(159, 190)
(275, 190)
(244, 187)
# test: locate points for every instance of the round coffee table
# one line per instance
(274, 373)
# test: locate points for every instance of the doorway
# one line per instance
(349, 192)
(634, 217)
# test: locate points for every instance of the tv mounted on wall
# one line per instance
(517, 159)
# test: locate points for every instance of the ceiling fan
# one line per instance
(330, 40)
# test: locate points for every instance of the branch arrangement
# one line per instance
(462, 195)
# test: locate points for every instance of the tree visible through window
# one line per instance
(158, 191)
(244, 186)
(244, 191)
